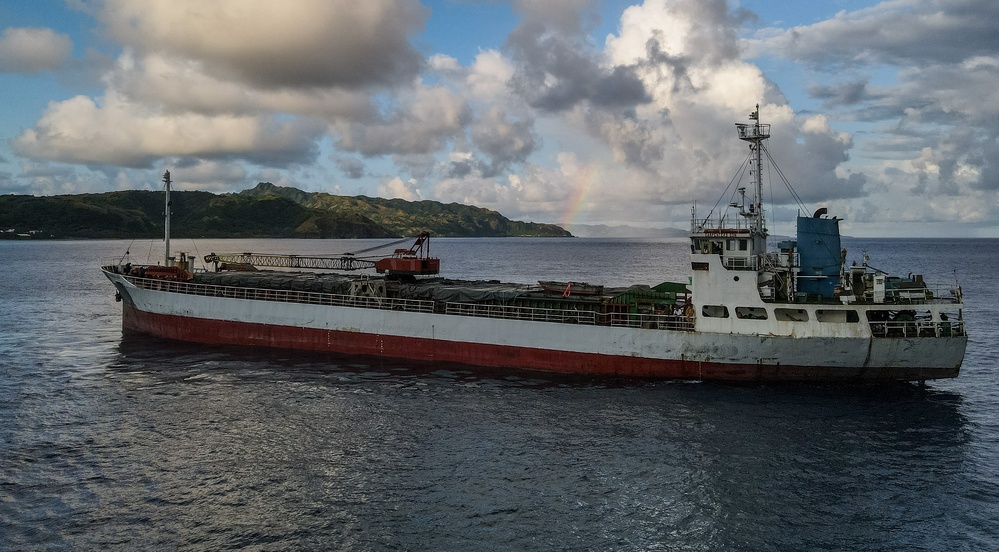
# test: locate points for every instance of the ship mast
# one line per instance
(755, 134)
(166, 214)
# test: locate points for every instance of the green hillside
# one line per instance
(408, 218)
(266, 211)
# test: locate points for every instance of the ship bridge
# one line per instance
(740, 241)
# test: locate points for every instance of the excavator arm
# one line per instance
(344, 262)
(414, 261)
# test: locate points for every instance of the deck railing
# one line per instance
(284, 296)
(571, 316)
(931, 293)
(948, 328)
(532, 314)
(561, 316)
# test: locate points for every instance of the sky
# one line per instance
(560, 111)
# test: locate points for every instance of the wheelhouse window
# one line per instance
(751, 313)
(714, 311)
(841, 316)
(791, 315)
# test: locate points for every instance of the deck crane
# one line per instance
(414, 261)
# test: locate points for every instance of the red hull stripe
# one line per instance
(210, 331)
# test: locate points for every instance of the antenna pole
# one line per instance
(759, 167)
(166, 214)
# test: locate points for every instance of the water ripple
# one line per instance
(123, 444)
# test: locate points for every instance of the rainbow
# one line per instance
(582, 184)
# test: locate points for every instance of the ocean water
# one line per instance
(112, 443)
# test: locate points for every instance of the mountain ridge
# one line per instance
(264, 211)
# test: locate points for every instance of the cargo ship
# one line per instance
(793, 312)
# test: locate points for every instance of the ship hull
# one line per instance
(519, 344)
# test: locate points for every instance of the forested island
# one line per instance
(265, 211)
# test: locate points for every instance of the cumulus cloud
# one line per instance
(429, 118)
(950, 109)
(543, 193)
(352, 167)
(943, 104)
(637, 126)
(847, 93)
(207, 175)
(132, 135)
(558, 67)
(32, 50)
(503, 140)
(901, 33)
(45, 178)
(396, 188)
(199, 86)
(307, 43)
(682, 144)
(661, 140)
(503, 196)
(182, 85)
(490, 77)
(252, 81)
(462, 164)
